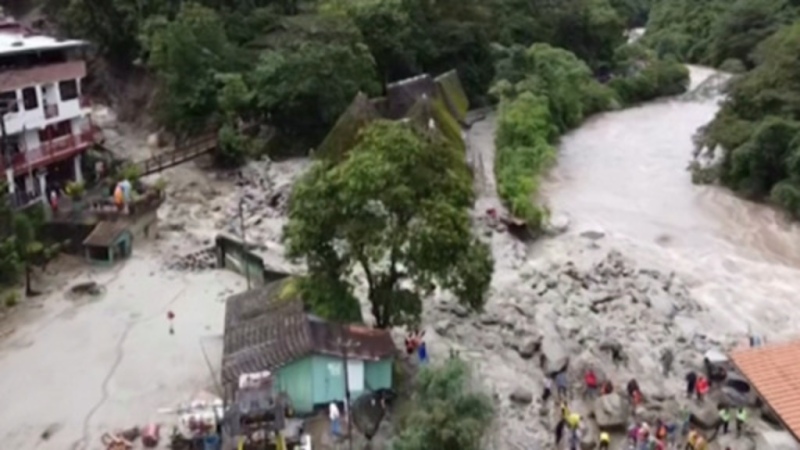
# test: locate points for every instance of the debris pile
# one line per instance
(577, 306)
(204, 259)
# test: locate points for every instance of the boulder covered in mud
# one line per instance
(611, 412)
(572, 308)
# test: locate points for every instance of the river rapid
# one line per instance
(625, 173)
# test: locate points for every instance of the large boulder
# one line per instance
(611, 412)
(589, 436)
(704, 415)
(730, 440)
(521, 396)
(554, 356)
(775, 440)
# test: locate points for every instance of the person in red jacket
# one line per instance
(590, 378)
(701, 387)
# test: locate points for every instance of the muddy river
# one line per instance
(625, 172)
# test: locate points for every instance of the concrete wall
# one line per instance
(145, 226)
(35, 118)
(75, 233)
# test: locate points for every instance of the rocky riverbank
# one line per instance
(574, 299)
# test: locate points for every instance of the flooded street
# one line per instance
(625, 173)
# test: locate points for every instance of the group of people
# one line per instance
(571, 421)
(415, 343)
(662, 435)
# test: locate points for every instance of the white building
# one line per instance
(45, 119)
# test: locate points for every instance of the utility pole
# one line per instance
(346, 344)
(245, 263)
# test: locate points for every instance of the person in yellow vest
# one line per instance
(573, 420)
(724, 419)
(691, 439)
(741, 416)
(605, 440)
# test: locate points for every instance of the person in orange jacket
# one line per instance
(701, 387)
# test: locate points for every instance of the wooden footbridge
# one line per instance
(185, 151)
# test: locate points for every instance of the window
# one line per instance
(29, 98)
(8, 101)
(68, 89)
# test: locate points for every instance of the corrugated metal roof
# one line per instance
(264, 332)
(105, 233)
(774, 371)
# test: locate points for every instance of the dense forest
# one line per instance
(296, 65)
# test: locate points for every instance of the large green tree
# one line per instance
(446, 411)
(396, 208)
(188, 54)
(303, 87)
(758, 126)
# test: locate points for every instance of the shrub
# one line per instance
(11, 299)
(524, 132)
(446, 412)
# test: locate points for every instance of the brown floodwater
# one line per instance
(625, 173)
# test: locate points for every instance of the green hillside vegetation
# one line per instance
(546, 91)
(716, 32)
(297, 65)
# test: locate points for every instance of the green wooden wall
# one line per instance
(296, 380)
(318, 380)
(378, 374)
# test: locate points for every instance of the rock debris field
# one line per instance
(574, 309)
(567, 299)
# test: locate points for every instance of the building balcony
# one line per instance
(51, 151)
(50, 111)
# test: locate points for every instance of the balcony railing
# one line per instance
(50, 111)
(52, 151)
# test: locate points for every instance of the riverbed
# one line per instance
(625, 172)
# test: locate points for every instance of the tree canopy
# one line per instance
(447, 412)
(715, 31)
(758, 127)
(301, 63)
(397, 209)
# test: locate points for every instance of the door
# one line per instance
(355, 376)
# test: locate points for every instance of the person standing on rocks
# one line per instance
(605, 440)
(634, 393)
(561, 384)
(691, 381)
(724, 419)
(741, 417)
(701, 388)
(590, 378)
(547, 391)
(667, 358)
(560, 431)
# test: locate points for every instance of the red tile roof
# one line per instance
(774, 371)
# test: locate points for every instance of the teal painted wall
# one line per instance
(329, 378)
(296, 380)
(318, 380)
(378, 374)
